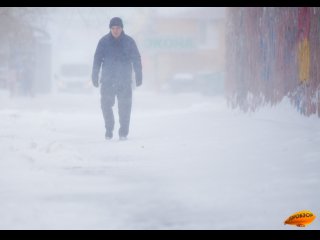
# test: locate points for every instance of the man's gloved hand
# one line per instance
(95, 82)
(138, 82)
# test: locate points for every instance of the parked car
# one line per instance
(207, 83)
(210, 83)
(74, 77)
(182, 82)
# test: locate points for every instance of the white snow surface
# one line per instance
(190, 162)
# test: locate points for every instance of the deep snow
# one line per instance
(190, 163)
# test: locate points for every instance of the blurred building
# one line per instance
(25, 51)
(183, 42)
(25, 66)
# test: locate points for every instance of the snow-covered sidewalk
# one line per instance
(190, 163)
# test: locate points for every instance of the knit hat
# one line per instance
(116, 21)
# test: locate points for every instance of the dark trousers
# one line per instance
(124, 98)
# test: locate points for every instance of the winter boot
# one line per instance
(108, 135)
(122, 138)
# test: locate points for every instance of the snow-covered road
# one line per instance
(190, 163)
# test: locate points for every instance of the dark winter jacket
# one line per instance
(117, 56)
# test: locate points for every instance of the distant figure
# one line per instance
(27, 78)
(116, 53)
(12, 82)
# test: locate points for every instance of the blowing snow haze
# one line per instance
(214, 128)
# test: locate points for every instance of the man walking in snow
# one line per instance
(116, 54)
